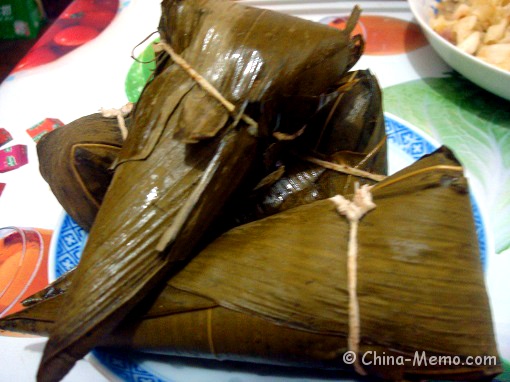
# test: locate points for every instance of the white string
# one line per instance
(354, 210)
(120, 114)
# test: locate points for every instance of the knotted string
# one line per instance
(120, 114)
(206, 85)
(354, 210)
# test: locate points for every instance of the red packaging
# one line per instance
(4, 136)
(44, 127)
(13, 157)
(2, 186)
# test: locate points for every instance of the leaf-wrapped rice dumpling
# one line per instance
(335, 133)
(77, 160)
(186, 154)
(275, 290)
(349, 130)
(300, 182)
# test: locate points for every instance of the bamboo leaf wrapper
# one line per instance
(275, 290)
(160, 168)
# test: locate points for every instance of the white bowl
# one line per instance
(487, 76)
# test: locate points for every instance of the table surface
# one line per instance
(417, 87)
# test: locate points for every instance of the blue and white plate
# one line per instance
(406, 144)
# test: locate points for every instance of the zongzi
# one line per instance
(348, 130)
(76, 161)
(334, 133)
(275, 290)
(186, 154)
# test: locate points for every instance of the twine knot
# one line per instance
(120, 114)
(361, 203)
(354, 210)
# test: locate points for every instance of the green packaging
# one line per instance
(20, 18)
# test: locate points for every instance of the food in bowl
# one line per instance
(477, 27)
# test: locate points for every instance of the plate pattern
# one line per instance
(124, 368)
(70, 244)
(407, 140)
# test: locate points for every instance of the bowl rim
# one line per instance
(413, 5)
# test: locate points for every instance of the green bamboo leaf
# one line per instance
(475, 125)
(139, 73)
